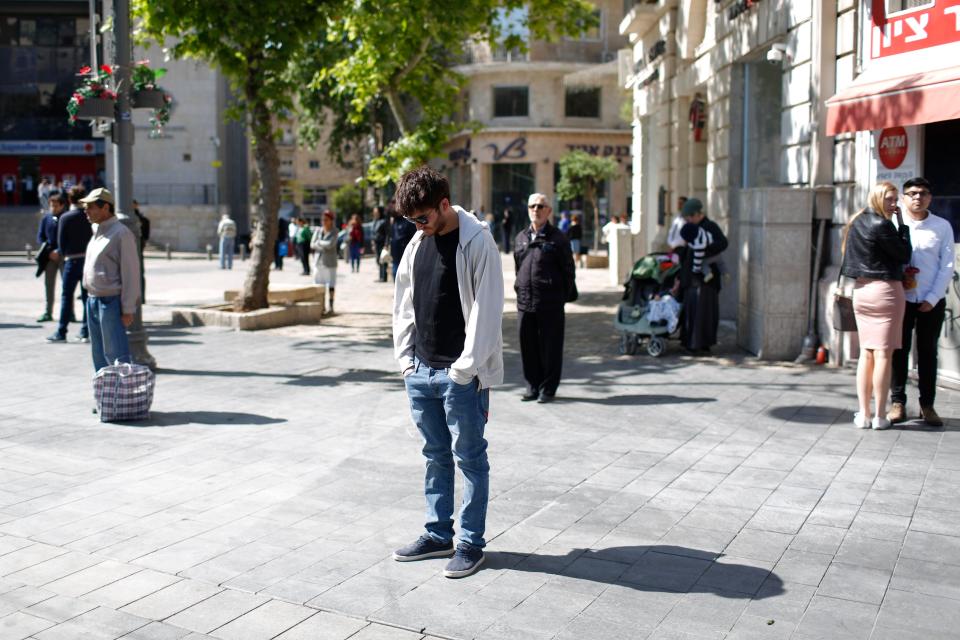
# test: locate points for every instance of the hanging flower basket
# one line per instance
(94, 98)
(148, 99)
(147, 94)
(93, 108)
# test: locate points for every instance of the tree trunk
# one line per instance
(589, 197)
(264, 230)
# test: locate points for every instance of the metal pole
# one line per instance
(123, 161)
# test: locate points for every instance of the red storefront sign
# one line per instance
(913, 30)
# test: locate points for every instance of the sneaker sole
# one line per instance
(423, 556)
(465, 572)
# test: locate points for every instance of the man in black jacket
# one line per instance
(73, 235)
(545, 282)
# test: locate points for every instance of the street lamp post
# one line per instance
(122, 137)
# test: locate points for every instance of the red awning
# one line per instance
(916, 98)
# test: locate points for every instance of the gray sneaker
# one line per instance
(425, 547)
(466, 560)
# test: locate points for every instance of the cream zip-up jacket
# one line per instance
(480, 280)
(112, 265)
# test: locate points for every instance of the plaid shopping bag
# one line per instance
(123, 391)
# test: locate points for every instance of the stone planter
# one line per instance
(147, 99)
(93, 108)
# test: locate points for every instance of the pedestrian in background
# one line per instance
(324, 242)
(47, 233)
(304, 236)
(355, 240)
(564, 223)
(401, 232)
(674, 240)
(545, 282)
(381, 231)
(73, 234)
(874, 253)
(507, 225)
(575, 234)
(447, 313)
(144, 226)
(227, 231)
(280, 250)
(111, 275)
(700, 293)
(929, 273)
(43, 194)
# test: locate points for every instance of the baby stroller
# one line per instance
(648, 315)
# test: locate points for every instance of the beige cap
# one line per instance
(98, 194)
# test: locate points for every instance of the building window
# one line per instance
(314, 197)
(314, 164)
(511, 102)
(895, 6)
(583, 102)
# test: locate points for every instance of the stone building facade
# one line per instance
(773, 112)
(533, 108)
(728, 104)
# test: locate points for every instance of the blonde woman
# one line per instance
(874, 253)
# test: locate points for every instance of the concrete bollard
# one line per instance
(29, 250)
(209, 252)
(169, 253)
(243, 252)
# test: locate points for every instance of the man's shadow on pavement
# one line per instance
(211, 418)
(666, 568)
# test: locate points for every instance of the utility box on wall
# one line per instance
(774, 270)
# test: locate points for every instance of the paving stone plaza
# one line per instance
(670, 498)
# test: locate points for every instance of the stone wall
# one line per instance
(185, 228)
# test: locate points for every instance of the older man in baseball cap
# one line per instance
(111, 275)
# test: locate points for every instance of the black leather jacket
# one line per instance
(875, 248)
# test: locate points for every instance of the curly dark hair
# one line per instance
(422, 188)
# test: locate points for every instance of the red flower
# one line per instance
(106, 68)
(84, 70)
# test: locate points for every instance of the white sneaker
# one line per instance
(860, 421)
(880, 423)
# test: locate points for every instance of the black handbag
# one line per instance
(844, 318)
(42, 258)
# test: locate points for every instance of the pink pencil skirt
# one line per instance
(879, 305)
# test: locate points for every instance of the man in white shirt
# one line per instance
(925, 285)
(227, 230)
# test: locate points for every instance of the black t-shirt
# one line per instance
(441, 329)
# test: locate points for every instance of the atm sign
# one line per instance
(892, 147)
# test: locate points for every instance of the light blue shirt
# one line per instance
(933, 255)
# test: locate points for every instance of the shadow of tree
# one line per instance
(212, 418)
(651, 568)
(14, 325)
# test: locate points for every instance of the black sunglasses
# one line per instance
(537, 206)
(418, 219)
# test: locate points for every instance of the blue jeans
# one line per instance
(451, 419)
(72, 276)
(226, 252)
(108, 336)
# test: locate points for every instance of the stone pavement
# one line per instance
(667, 499)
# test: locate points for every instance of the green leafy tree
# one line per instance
(347, 200)
(580, 175)
(254, 45)
(402, 55)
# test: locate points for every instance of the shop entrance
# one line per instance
(512, 185)
(940, 168)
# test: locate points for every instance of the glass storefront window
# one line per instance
(28, 33)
